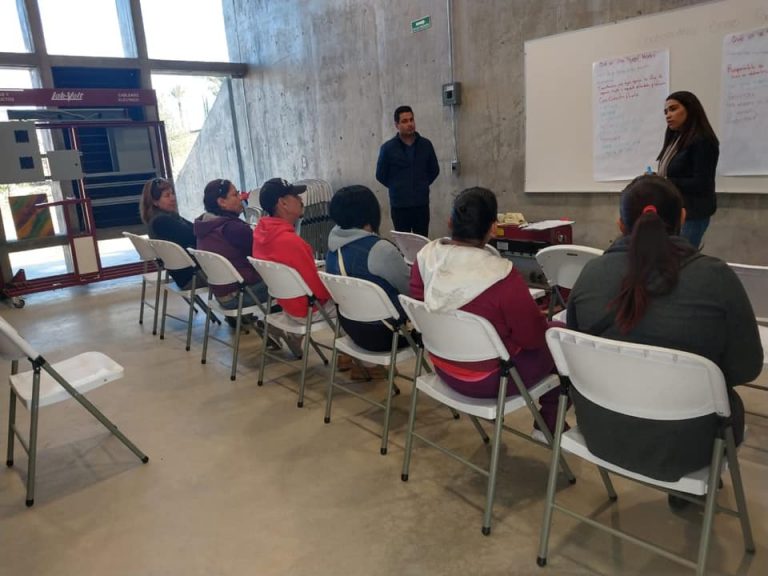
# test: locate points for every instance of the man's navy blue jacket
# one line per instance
(408, 182)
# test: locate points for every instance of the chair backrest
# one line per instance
(755, 281)
(639, 380)
(12, 345)
(563, 263)
(359, 300)
(174, 257)
(455, 335)
(142, 246)
(218, 270)
(282, 281)
(409, 244)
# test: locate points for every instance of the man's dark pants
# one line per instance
(411, 219)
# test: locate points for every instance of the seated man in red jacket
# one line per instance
(275, 239)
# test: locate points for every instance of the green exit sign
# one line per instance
(421, 24)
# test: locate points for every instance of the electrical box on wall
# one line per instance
(452, 94)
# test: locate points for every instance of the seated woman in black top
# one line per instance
(160, 213)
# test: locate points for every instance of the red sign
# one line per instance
(76, 97)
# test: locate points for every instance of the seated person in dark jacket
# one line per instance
(355, 249)
(653, 287)
(221, 230)
(160, 213)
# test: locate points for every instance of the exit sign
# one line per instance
(421, 24)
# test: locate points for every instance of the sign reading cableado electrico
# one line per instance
(421, 24)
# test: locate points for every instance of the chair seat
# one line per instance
(84, 372)
(232, 312)
(347, 346)
(434, 387)
(693, 483)
(561, 316)
(764, 340)
(289, 324)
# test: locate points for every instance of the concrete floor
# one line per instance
(240, 481)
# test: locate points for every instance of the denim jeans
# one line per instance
(693, 230)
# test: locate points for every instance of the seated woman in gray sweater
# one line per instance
(653, 287)
(355, 249)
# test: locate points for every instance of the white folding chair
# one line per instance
(174, 257)
(220, 272)
(629, 379)
(284, 282)
(409, 244)
(464, 337)
(363, 301)
(148, 256)
(755, 282)
(48, 384)
(562, 265)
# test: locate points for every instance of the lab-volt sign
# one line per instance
(421, 24)
(77, 97)
(66, 96)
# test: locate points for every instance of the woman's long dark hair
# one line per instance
(696, 123)
(651, 207)
(151, 193)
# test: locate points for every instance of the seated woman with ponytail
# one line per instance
(653, 287)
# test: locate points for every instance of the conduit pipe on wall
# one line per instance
(454, 128)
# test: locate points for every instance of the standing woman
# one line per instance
(688, 159)
(160, 212)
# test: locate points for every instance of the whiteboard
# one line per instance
(558, 87)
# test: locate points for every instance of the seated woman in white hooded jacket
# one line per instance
(459, 274)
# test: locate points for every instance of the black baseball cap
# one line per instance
(274, 189)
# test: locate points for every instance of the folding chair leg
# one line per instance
(11, 424)
(495, 449)
(264, 340)
(549, 503)
(307, 340)
(738, 490)
(388, 401)
(479, 428)
(409, 436)
(207, 329)
(612, 496)
(331, 380)
(236, 346)
(32, 451)
(191, 315)
(541, 424)
(143, 295)
(710, 506)
(165, 307)
(158, 282)
(319, 351)
(96, 413)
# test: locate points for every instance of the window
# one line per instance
(183, 104)
(15, 78)
(82, 28)
(176, 31)
(13, 34)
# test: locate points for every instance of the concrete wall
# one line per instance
(327, 74)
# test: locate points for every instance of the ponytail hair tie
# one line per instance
(650, 208)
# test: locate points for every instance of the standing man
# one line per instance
(407, 166)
